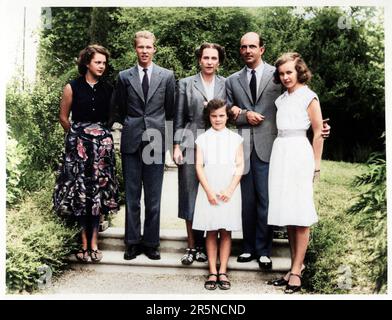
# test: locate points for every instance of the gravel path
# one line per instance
(145, 280)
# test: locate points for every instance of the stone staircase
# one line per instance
(173, 244)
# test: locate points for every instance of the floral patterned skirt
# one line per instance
(87, 173)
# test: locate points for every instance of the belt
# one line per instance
(291, 133)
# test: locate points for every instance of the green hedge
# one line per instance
(35, 237)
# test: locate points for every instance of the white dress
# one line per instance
(290, 181)
(219, 150)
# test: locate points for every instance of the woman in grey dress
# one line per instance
(193, 94)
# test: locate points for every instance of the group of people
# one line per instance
(252, 180)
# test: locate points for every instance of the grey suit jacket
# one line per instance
(190, 98)
(136, 115)
(238, 93)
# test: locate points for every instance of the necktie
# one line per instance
(252, 85)
(145, 84)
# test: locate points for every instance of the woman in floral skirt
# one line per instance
(86, 185)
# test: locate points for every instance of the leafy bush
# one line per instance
(120, 178)
(35, 237)
(15, 156)
(32, 116)
(371, 211)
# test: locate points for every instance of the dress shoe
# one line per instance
(132, 252)
(152, 253)
(245, 257)
(265, 263)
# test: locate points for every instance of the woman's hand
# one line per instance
(212, 199)
(225, 195)
(177, 155)
(316, 176)
(235, 111)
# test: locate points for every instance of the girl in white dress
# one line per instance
(219, 167)
(294, 162)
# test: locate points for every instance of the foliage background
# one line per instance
(344, 48)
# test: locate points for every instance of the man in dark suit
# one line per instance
(142, 100)
(252, 89)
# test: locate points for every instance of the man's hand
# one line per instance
(177, 155)
(254, 118)
(325, 131)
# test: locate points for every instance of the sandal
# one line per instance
(293, 288)
(280, 282)
(82, 255)
(188, 257)
(211, 284)
(224, 284)
(200, 255)
(96, 255)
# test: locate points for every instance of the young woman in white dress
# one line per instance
(295, 162)
(219, 167)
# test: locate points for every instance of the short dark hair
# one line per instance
(212, 105)
(303, 73)
(261, 40)
(86, 55)
(205, 45)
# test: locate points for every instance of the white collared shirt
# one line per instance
(141, 72)
(208, 87)
(259, 74)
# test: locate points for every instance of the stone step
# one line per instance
(172, 260)
(174, 241)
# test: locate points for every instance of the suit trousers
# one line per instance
(257, 234)
(150, 176)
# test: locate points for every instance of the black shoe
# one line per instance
(201, 255)
(279, 282)
(189, 256)
(152, 253)
(292, 289)
(245, 257)
(211, 284)
(223, 284)
(265, 263)
(132, 251)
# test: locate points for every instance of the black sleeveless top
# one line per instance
(90, 104)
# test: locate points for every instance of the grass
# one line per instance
(336, 259)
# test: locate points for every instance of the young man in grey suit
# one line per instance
(252, 89)
(143, 98)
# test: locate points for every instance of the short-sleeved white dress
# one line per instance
(290, 181)
(219, 150)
